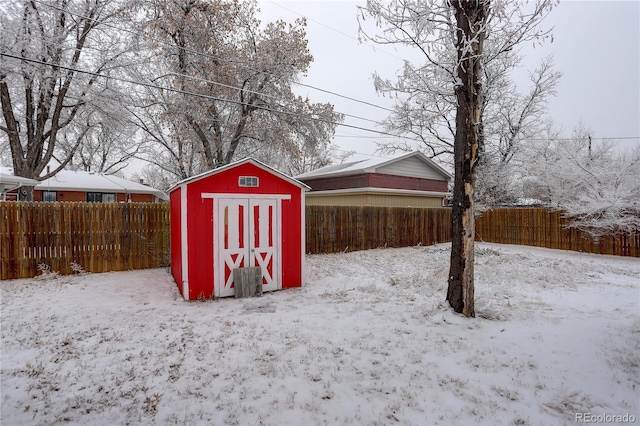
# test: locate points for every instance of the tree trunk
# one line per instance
(26, 193)
(471, 23)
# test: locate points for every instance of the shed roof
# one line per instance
(370, 166)
(250, 160)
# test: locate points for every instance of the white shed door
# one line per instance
(247, 236)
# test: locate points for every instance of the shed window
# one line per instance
(49, 196)
(248, 181)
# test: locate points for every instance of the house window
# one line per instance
(248, 181)
(94, 197)
(100, 197)
(51, 196)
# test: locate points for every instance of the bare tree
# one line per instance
(510, 119)
(309, 138)
(162, 143)
(156, 177)
(103, 139)
(54, 53)
(597, 186)
(225, 88)
(426, 105)
(471, 20)
(457, 39)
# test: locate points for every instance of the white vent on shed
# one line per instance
(248, 181)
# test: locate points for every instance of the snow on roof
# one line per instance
(9, 182)
(369, 166)
(7, 179)
(334, 168)
(87, 181)
(69, 180)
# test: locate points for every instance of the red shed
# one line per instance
(240, 215)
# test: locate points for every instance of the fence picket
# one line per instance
(373, 227)
(97, 237)
(114, 237)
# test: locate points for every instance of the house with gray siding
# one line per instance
(404, 180)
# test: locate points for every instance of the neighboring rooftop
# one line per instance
(69, 180)
(372, 165)
(9, 182)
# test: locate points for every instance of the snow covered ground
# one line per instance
(368, 340)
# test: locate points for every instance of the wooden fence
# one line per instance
(542, 227)
(332, 229)
(93, 236)
(115, 237)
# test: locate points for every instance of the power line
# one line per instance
(259, 93)
(205, 55)
(210, 97)
(199, 95)
(604, 138)
(355, 136)
(338, 31)
(397, 57)
(202, 54)
(344, 97)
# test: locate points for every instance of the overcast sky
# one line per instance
(596, 46)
